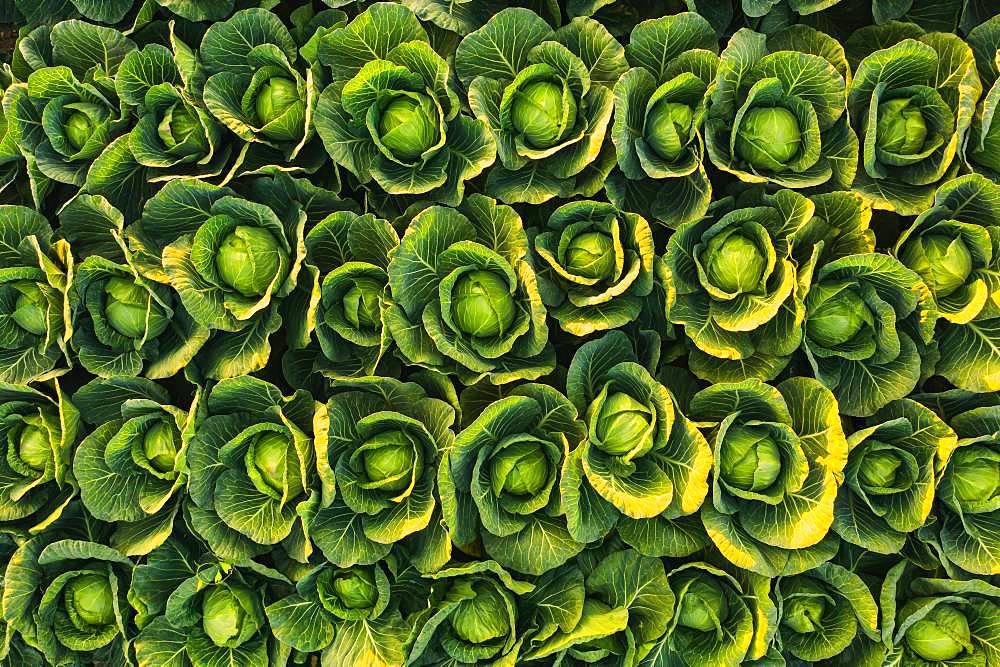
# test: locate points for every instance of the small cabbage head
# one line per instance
(274, 98)
(126, 305)
(89, 601)
(30, 307)
(544, 113)
(390, 460)
(33, 443)
(249, 259)
(940, 635)
(768, 138)
(409, 126)
(881, 469)
(78, 128)
(520, 469)
(944, 263)
(622, 423)
(362, 306)
(751, 459)
(591, 255)
(975, 476)
(226, 612)
(835, 315)
(482, 305)
(274, 457)
(901, 128)
(180, 124)
(667, 127)
(704, 606)
(160, 445)
(733, 262)
(484, 617)
(355, 588)
(805, 604)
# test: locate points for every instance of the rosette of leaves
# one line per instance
(378, 469)
(352, 614)
(70, 119)
(866, 315)
(623, 607)
(983, 143)
(718, 618)
(777, 111)
(35, 276)
(64, 594)
(390, 115)
(473, 618)
(351, 253)
(643, 467)
(499, 483)
(740, 289)
(826, 613)
(779, 455)
(38, 432)
(256, 85)
(464, 297)
(16, 187)
(252, 462)
(947, 622)
(912, 101)
(174, 135)
(195, 611)
(546, 96)
(125, 324)
(890, 476)
(955, 248)
(660, 107)
(968, 493)
(132, 468)
(595, 266)
(230, 260)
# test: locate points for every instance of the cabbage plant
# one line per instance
(499, 483)
(867, 318)
(350, 613)
(391, 115)
(777, 113)
(64, 592)
(935, 621)
(378, 468)
(968, 493)
(627, 604)
(229, 259)
(983, 141)
(125, 324)
(36, 272)
(955, 248)
(132, 469)
(892, 469)
(473, 620)
(197, 611)
(38, 433)
(719, 618)
(351, 253)
(779, 455)
(595, 266)
(464, 297)
(253, 481)
(827, 613)
(175, 135)
(643, 467)
(741, 275)
(546, 96)
(256, 85)
(660, 107)
(912, 99)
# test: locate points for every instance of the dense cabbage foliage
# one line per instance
(423, 333)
